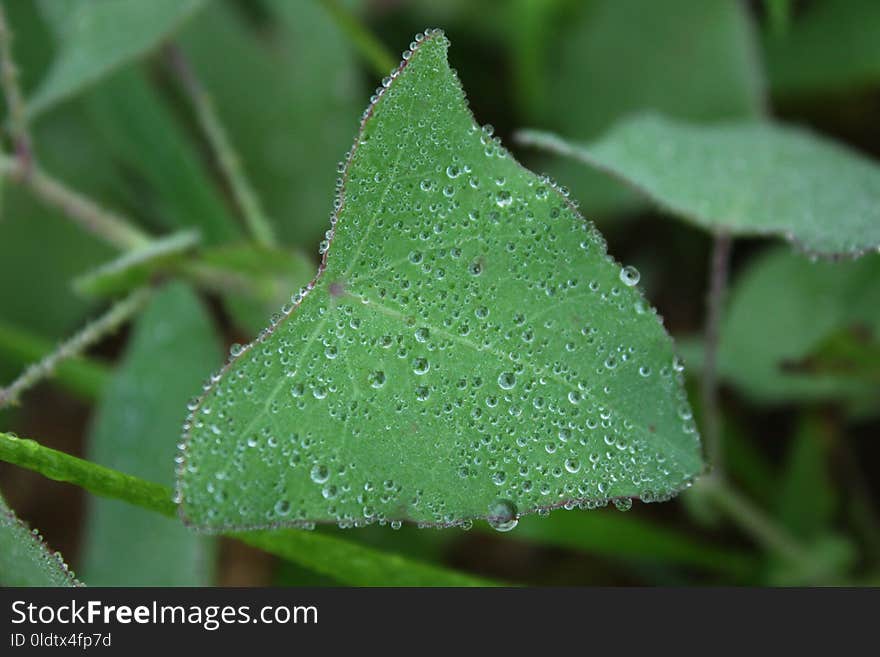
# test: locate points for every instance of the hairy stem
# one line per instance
(112, 228)
(718, 274)
(371, 49)
(18, 128)
(81, 376)
(92, 333)
(228, 160)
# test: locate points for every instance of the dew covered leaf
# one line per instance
(172, 351)
(24, 558)
(98, 36)
(748, 178)
(469, 350)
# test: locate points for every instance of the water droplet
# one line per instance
(502, 515)
(629, 276)
(320, 473)
(507, 380)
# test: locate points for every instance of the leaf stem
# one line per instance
(74, 346)
(112, 228)
(82, 376)
(371, 49)
(94, 478)
(18, 127)
(753, 521)
(227, 158)
(717, 291)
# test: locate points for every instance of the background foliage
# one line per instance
(120, 116)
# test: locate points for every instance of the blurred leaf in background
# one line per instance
(831, 47)
(302, 103)
(685, 59)
(172, 351)
(98, 36)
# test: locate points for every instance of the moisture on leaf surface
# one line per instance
(468, 350)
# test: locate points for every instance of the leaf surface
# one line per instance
(468, 349)
(138, 420)
(747, 178)
(24, 558)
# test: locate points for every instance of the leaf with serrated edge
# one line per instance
(467, 349)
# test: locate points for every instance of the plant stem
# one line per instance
(14, 100)
(718, 274)
(112, 228)
(228, 160)
(83, 377)
(95, 478)
(373, 51)
(75, 345)
(348, 562)
(753, 521)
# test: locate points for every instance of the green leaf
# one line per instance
(746, 178)
(134, 268)
(692, 60)
(852, 352)
(468, 350)
(97, 37)
(807, 499)
(24, 558)
(138, 128)
(781, 309)
(302, 99)
(170, 354)
(832, 46)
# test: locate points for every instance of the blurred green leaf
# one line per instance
(140, 131)
(424, 313)
(135, 267)
(807, 499)
(24, 558)
(852, 352)
(746, 178)
(171, 353)
(781, 309)
(271, 277)
(290, 99)
(612, 534)
(831, 46)
(97, 37)
(692, 60)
